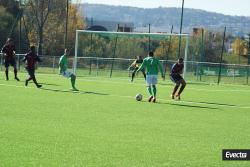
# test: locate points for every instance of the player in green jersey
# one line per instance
(152, 65)
(63, 66)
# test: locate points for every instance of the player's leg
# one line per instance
(13, 63)
(133, 74)
(29, 78)
(176, 79)
(154, 82)
(144, 74)
(6, 64)
(149, 89)
(33, 77)
(183, 85)
(73, 81)
(175, 90)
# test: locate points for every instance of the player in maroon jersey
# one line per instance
(8, 51)
(31, 59)
(176, 77)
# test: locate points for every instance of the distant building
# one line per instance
(101, 25)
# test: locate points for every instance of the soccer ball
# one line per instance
(138, 97)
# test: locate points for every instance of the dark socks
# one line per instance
(181, 89)
(7, 74)
(175, 89)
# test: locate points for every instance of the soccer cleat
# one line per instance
(38, 86)
(7, 79)
(178, 97)
(74, 89)
(17, 79)
(26, 82)
(172, 96)
(154, 100)
(150, 98)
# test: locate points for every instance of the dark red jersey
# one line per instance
(31, 59)
(177, 68)
(9, 51)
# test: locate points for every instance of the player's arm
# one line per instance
(142, 66)
(173, 69)
(62, 64)
(38, 59)
(4, 50)
(25, 58)
(182, 70)
(132, 65)
(161, 69)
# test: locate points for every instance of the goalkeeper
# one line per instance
(152, 65)
(135, 65)
(63, 65)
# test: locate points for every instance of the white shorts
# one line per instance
(151, 80)
(67, 74)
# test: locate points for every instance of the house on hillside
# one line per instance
(101, 25)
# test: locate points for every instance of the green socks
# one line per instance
(154, 90)
(73, 81)
(150, 91)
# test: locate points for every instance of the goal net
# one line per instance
(111, 53)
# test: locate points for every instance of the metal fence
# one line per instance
(95, 66)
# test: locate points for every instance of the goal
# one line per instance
(114, 51)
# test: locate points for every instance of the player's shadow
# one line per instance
(213, 103)
(49, 84)
(189, 105)
(76, 92)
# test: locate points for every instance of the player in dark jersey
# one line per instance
(8, 51)
(176, 77)
(135, 65)
(31, 59)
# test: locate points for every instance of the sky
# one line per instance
(228, 7)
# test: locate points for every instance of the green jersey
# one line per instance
(63, 63)
(152, 65)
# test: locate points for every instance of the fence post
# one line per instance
(18, 62)
(97, 66)
(114, 53)
(222, 52)
(1, 62)
(90, 66)
(54, 60)
(248, 58)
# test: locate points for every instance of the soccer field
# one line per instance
(103, 125)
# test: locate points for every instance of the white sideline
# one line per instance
(170, 101)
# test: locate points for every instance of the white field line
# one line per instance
(164, 100)
(140, 84)
(127, 82)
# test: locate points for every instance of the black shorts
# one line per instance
(31, 72)
(8, 62)
(176, 78)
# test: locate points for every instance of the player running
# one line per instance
(152, 65)
(63, 65)
(31, 59)
(135, 65)
(176, 77)
(8, 51)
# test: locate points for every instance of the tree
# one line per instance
(40, 9)
(51, 31)
(6, 20)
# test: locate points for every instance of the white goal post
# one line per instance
(131, 35)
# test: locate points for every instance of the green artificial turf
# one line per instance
(103, 125)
